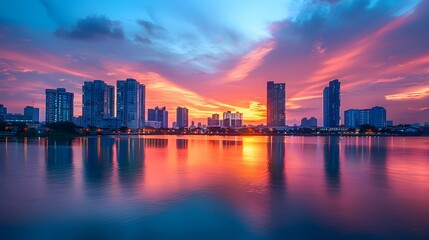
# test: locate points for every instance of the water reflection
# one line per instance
(373, 149)
(246, 187)
(331, 157)
(59, 161)
(276, 162)
(232, 143)
(156, 142)
(130, 159)
(181, 143)
(97, 164)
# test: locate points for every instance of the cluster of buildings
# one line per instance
(30, 116)
(101, 109)
(354, 118)
(230, 119)
(103, 106)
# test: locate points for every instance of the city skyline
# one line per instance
(210, 64)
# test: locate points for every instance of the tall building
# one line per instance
(159, 115)
(3, 110)
(331, 104)
(130, 100)
(213, 121)
(231, 119)
(375, 116)
(309, 122)
(276, 104)
(378, 117)
(97, 103)
(182, 117)
(32, 112)
(59, 105)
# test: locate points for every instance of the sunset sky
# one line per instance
(214, 56)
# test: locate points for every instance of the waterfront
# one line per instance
(214, 187)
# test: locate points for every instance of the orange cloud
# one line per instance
(162, 92)
(410, 94)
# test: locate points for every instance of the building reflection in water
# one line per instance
(59, 161)
(156, 142)
(181, 143)
(331, 156)
(378, 158)
(130, 160)
(276, 162)
(232, 143)
(97, 163)
(373, 149)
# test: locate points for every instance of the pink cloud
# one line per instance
(250, 61)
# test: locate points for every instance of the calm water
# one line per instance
(204, 187)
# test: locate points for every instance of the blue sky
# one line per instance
(214, 56)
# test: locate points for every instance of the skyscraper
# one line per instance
(276, 104)
(378, 117)
(59, 105)
(32, 112)
(331, 104)
(182, 117)
(130, 109)
(159, 115)
(97, 102)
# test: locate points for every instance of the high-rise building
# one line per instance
(97, 103)
(331, 104)
(231, 119)
(309, 122)
(32, 112)
(59, 105)
(130, 100)
(375, 116)
(182, 117)
(213, 121)
(378, 117)
(276, 104)
(159, 115)
(3, 110)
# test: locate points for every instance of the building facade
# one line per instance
(276, 104)
(159, 115)
(59, 105)
(32, 112)
(97, 103)
(213, 121)
(130, 103)
(331, 104)
(375, 116)
(309, 122)
(231, 119)
(182, 117)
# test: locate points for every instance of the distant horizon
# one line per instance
(216, 56)
(204, 121)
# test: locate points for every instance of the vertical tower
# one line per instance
(97, 102)
(130, 109)
(59, 105)
(182, 117)
(331, 104)
(276, 104)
